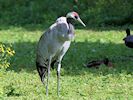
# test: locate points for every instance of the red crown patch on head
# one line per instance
(75, 14)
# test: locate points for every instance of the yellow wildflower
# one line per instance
(1, 49)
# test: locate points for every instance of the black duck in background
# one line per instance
(97, 63)
(128, 39)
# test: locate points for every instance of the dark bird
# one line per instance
(128, 39)
(97, 63)
(53, 45)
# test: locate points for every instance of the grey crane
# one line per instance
(53, 45)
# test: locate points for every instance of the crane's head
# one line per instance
(75, 16)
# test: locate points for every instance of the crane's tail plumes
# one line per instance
(42, 70)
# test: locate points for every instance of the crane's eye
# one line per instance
(76, 17)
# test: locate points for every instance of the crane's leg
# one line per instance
(58, 72)
(48, 75)
(66, 45)
(58, 77)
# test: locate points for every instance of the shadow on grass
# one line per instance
(78, 54)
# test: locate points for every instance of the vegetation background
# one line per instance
(93, 12)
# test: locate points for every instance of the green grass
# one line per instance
(21, 80)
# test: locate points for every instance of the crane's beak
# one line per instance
(79, 20)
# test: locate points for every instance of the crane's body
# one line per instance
(53, 45)
(55, 40)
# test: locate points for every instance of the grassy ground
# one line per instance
(21, 81)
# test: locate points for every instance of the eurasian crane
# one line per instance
(53, 45)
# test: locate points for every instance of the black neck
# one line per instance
(128, 32)
(70, 21)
